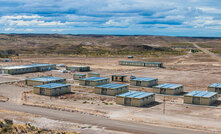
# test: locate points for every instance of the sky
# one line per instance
(198, 18)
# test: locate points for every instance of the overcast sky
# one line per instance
(125, 17)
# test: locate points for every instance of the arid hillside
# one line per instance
(100, 45)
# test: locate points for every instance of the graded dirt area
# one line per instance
(193, 72)
(45, 123)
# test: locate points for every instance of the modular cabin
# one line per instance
(135, 98)
(27, 68)
(52, 89)
(79, 68)
(140, 63)
(200, 97)
(44, 80)
(111, 89)
(170, 89)
(144, 82)
(79, 76)
(119, 78)
(93, 74)
(93, 81)
(216, 87)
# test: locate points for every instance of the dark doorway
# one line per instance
(104, 91)
(138, 83)
(162, 91)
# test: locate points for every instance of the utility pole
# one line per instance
(164, 104)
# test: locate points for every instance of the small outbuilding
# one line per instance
(52, 89)
(141, 63)
(91, 74)
(119, 78)
(111, 89)
(79, 68)
(44, 80)
(216, 87)
(144, 82)
(170, 89)
(200, 97)
(93, 81)
(135, 98)
(79, 76)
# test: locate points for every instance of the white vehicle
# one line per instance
(64, 71)
(60, 65)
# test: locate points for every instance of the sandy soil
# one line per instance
(13, 92)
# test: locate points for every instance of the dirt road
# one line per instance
(207, 52)
(96, 120)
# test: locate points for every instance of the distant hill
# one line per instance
(97, 45)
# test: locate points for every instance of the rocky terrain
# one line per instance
(8, 127)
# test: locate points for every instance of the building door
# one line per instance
(87, 83)
(42, 91)
(121, 79)
(196, 100)
(138, 83)
(162, 91)
(3, 72)
(127, 101)
(104, 91)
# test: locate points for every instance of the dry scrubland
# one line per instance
(194, 70)
(100, 45)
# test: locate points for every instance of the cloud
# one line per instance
(23, 30)
(138, 16)
(210, 10)
(8, 29)
(21, 17)
(33, 20)
(203, 21)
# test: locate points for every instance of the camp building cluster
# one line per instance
(54, 86)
